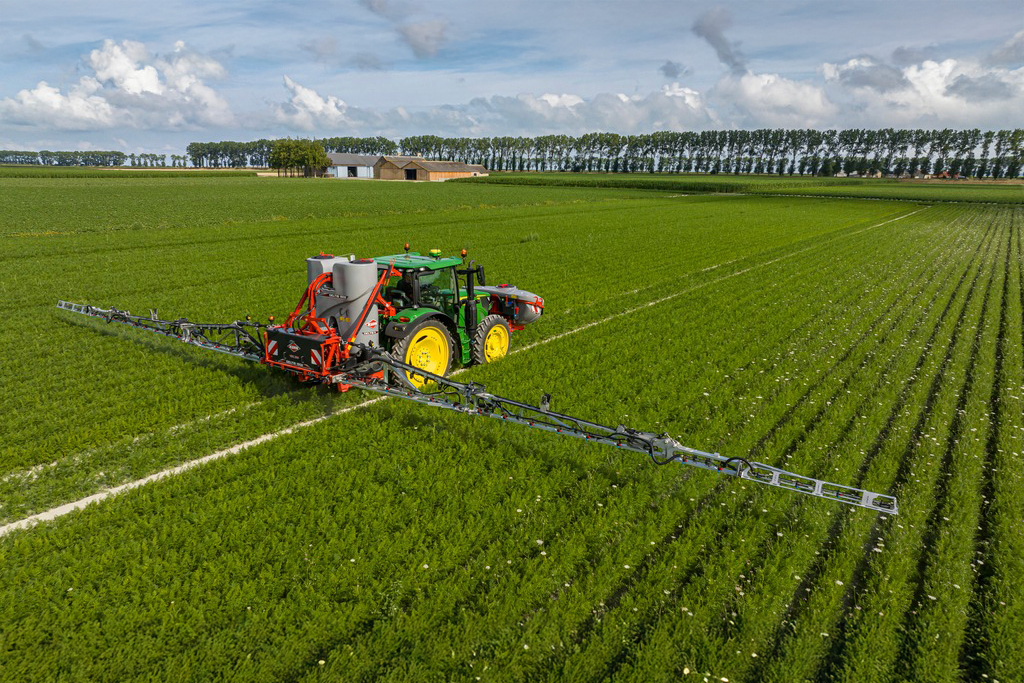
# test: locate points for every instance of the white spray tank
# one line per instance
(342, 303)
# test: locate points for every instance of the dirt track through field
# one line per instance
(67, 508)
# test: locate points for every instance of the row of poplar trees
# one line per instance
(889, 151)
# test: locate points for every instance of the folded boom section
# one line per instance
(240, 338)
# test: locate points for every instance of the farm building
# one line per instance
(418, 168)
(351, 165)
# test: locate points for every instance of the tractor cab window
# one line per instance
(436, 287)
(399, 289)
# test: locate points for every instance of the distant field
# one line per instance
(128, 173)
(925, 191)
(873, 343)
(43, 206)
(867, 188)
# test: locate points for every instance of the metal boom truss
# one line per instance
(242, 339)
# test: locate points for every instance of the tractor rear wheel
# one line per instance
(491, 340)
(427, 346)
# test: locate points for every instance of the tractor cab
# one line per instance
(423, 281)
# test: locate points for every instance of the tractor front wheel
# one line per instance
(491, 340)
(427, 346)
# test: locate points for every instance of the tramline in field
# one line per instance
(397, 325)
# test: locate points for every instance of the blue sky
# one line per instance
(151, 77)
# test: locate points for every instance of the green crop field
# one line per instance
(871, 343)
(80, 172)
(865, 188)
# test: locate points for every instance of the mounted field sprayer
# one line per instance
(397, 324)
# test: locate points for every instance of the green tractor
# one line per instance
(376, 324)
(428, 311)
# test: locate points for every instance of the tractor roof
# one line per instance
(416, 261)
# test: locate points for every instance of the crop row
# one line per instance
(442, 516)
(948, 191)
(699, 527)
(893, 414)
(676, 182)
(747, 529)
(988, 193)
(36, 210)
(150, 399)
(577, 603)
(996, 613)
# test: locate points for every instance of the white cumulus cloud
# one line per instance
(968, 92)
(691, 97)
(563, 100)
(773, 100)
(127, 87)
(866, 72)
(749, 99)
(307, 110)
(78, 109)
(678, 109)
(675, 107)
(122, 65)
(959, 92)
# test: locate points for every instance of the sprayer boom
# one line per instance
(373, 369)
(240, 338)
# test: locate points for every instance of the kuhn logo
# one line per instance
(371, 324)
(293, 347)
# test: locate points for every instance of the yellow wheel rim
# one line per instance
(496, 343)
(428, 351)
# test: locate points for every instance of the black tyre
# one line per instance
(426, 345)
(492, 339)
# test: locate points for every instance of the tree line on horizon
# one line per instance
(89, 158)
(889, 151)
